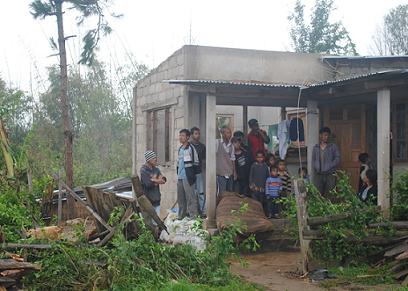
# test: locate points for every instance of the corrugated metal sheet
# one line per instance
(377, 75)
(232, 83)
(362, 57)
(386, 75)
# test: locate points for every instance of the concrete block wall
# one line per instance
(348, 67)
(152, 93)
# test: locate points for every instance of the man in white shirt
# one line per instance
(225, 162)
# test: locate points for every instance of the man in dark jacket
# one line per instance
(187, 198)
(325, 160)
(151, 178)
(199, 185)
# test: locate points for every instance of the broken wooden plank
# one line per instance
(402, 256)
(393, 224)
(87, 207)
(10, 264)
(6, 282)
(401, 275)
(319, 220)
(396, 250)
(405, 282)
(126, 216)
(146, 206)
(25, 246)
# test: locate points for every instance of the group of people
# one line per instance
(244, 165)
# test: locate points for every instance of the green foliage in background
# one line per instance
(321, 35)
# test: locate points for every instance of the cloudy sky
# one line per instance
(152, 29)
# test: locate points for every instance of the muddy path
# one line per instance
(274, 270)
(278, 271)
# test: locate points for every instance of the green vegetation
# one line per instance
(399, 210)
(141, 264)
(320, 35)
(337, 245)
(362, 275)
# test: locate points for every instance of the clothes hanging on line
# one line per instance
(283, 137)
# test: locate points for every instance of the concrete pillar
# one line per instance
(245, 119)
(312, 133)
(383, 149)
(210, 171)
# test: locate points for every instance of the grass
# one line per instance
(361, 275)
(235, 285)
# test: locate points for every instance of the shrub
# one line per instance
(336, 245)
(399, 210)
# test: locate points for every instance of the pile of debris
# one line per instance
(184, 231)
(396, 252)
(13, 269)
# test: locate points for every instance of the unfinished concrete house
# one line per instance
(198, 86)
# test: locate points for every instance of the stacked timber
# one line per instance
(396, 253)
(12, 270)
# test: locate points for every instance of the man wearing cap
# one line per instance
(151, 178)
(257, 138)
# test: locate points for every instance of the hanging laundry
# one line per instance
(296, 123)
(283, 136)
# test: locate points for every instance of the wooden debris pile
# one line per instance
(396, 252)
(12, 270)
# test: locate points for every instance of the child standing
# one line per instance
(285, 177)
(273, 188)
(257, 177)
(271, 160)
(242, 166)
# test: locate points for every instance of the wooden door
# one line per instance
(348, 131)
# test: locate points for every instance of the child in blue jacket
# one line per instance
(273, 188)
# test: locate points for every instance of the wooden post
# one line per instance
(312, 139)
(134, 134)
(59, 213)
(245, 119)
(301, 204)
(383, 149)
(210, 170)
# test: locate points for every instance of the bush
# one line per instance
(336, 246)
(399, 210)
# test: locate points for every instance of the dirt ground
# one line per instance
(274, 270)
(278, 271)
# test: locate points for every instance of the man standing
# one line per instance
(188, 162)
(225, 162)
(257, 138)
(199, 185)
(151, 178)
(325, 160)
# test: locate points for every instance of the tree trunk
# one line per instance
(5, 147)
(68, 136)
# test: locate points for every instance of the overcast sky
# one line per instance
(151, 30)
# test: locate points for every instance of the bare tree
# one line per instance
(391, 37)
(40, 9)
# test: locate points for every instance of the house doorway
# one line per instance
(348, 126)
